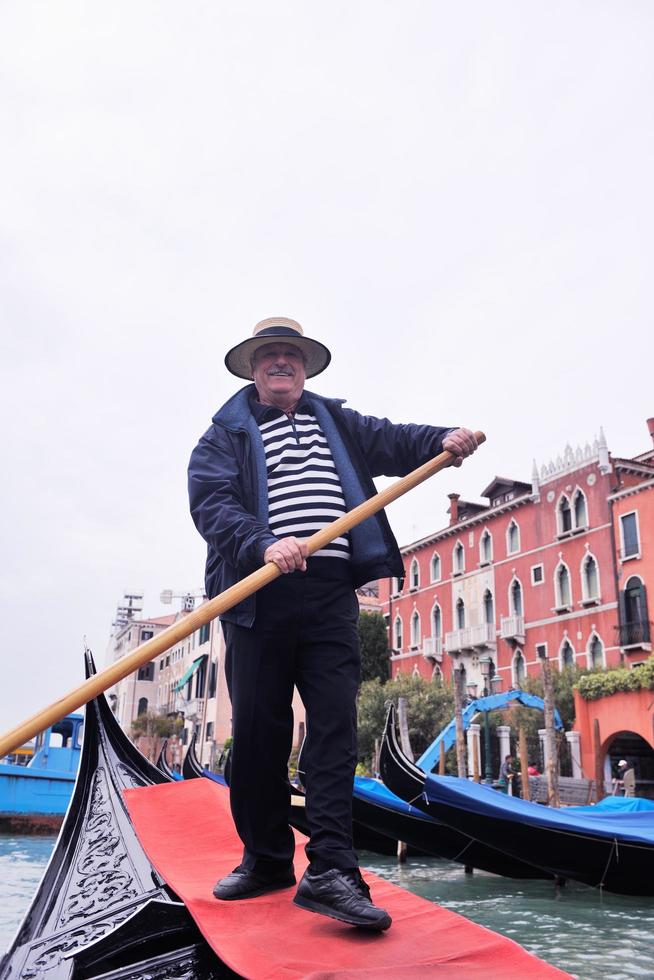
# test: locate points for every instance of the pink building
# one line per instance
(531, 571)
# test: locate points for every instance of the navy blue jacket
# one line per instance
(228, 488)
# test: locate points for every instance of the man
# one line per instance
(278, 463)
(506, 770)
(627, 777)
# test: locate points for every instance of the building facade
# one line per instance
(539, 569)
(136, 694)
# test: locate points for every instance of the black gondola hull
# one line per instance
(448, 840)
(621, 866)
(102, 909)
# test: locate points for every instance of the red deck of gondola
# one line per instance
(187, 831)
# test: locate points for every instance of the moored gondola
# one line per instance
(191, 767)
(595, 845)
(101, 908)
(405, 780)
(162, 762)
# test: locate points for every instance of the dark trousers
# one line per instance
(305, 634)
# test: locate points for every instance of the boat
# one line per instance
(447, 840)
(609, 847)
(192, 767)
(162, 762)
(34, 797)
(103, 912)
(102, 909)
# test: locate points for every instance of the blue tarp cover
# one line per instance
(596, 821)
(493, 702)
(617, 804)
(373, 791)
(216, 776)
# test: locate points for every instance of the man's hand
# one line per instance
(461, 443)
(289, 554)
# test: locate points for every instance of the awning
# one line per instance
(189, 673)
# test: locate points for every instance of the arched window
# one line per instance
(414, 574)
(485, 548)
(595, 652)
(567, 655)
(143, 706)
(458, 557)
(398, 633)
(519, 669)
(590, 578)
(512, 538)
(435, 568)
(635, 603)
(415, 628)
(562, 587)
(515, 598)
(564, 515)
(460, 614)
(489, 612)
(579, 509)
(436, 621)
(395, 586)
(415, 672)
(437, 674)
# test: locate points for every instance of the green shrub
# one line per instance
(430, 706)
(604, 683)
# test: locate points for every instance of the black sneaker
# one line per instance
(342, 895)
(242, 883)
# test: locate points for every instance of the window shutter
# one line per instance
(645, 615)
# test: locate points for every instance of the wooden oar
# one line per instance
(95, 685)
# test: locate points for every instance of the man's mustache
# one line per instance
(284, 372)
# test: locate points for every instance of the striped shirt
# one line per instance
(304, 489)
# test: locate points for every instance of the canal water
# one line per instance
(590, 935)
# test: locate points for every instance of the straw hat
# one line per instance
(316, 355)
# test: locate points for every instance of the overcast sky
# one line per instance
(455, 198)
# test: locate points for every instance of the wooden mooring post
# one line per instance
(403, 722)
(599, 768)
(476, 761)
(457, 681)
(551, 747)
(524, 764)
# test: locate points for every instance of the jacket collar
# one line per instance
(235, 412)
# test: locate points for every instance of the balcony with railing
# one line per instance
(513, 628)
(636, 634)
(192, 708)
(484, 635)
(470, 637)
(432, 648)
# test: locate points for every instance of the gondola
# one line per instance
(191, 767)
(162, 762)
(101, 909)
(594, 845)
(451, 841)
